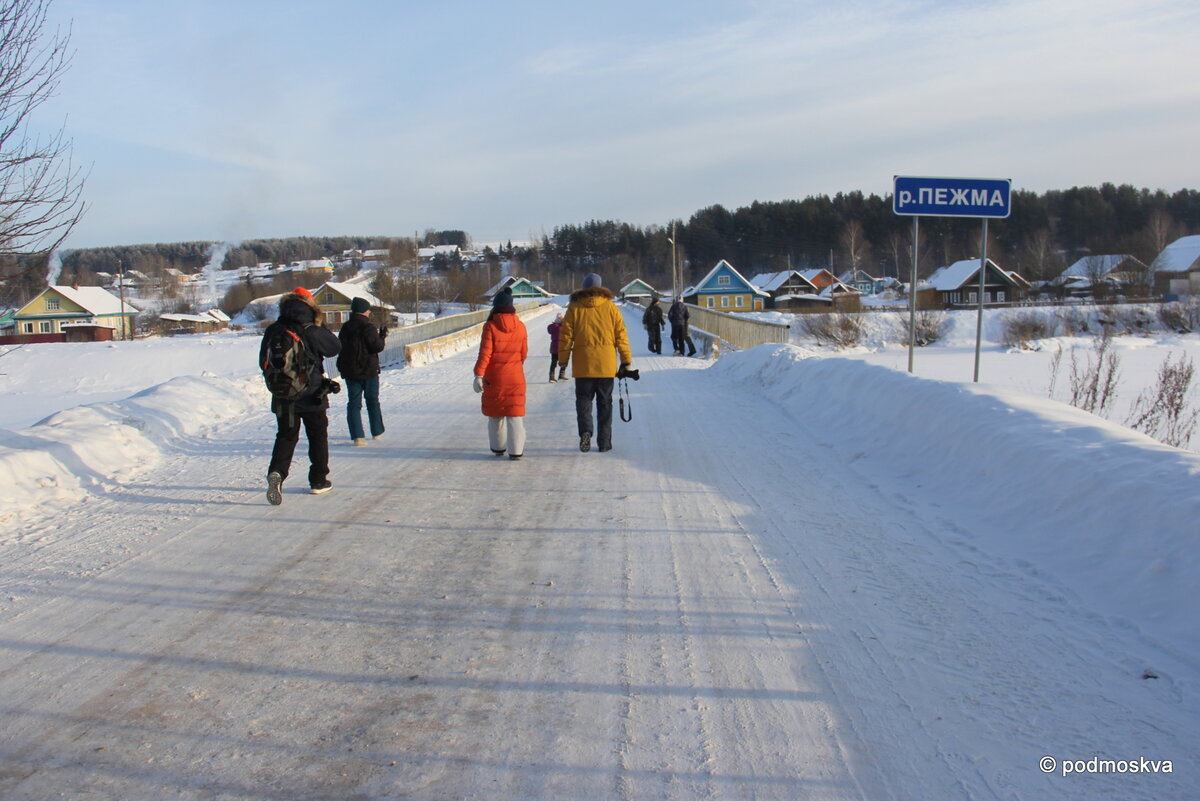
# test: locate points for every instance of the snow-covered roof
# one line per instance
(1090, 266)
(949, 279)
(722, 263)
(809, 275)
(350, 292)
(94, 299)
(773, 281)
(1179, 256)
(210, 316)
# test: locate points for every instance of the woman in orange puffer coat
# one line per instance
(500, 376)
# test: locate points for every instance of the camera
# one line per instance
(332, 387)
(625, 371)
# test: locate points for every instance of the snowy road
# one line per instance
(727, 605)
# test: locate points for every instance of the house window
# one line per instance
(330, 299)
(741, 301)
(52, 304)
(28, 328)
(722, 280)
(1000, 296)
(45, 327)
(709, 301)
(972, 297)
(724, 301)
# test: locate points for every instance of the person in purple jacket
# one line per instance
(554, 328)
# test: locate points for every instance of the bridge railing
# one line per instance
(399, 339)
(736, 330)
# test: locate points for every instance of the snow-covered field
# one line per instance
(799, 574)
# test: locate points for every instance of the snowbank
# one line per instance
(95, 447)
(1108, 512)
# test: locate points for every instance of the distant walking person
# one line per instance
(652, 321)
(553, 330)
(679, 316)
(291, 355)
(500, 376)
(593, 332)
(358, 363)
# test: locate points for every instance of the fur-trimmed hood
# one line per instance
(592, 296)
(300, 309)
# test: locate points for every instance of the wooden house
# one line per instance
(958, 284)
(523, 289)
(171, 324)
(1177, 269)
(334, 300)
(820, 278)
(639, 290)
(785, 284)
(725, 289)
(62, 307)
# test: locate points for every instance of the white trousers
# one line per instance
(510, 437)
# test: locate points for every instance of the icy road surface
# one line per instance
(727, 605)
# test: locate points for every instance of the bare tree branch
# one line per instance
(40, 186)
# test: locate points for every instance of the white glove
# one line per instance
(479, 383)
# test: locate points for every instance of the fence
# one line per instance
(400, 338)
(736, 330)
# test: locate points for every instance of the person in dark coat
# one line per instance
(299, 313)
(678, 317)
(553, 330)
(358, 363)
(652, 321)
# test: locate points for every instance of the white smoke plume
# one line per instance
(53, 268)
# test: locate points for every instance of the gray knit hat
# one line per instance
(592, 280)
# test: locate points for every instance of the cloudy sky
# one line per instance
(237, 119)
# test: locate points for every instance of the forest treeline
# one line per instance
(1044, 233)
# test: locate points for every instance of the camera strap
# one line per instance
(625, 408)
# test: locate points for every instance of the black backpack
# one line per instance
(289, 367)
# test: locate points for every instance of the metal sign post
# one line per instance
(983, 198)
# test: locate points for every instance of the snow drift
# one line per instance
(1107, 512)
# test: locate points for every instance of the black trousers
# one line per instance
(680, 338)
(655, 344)
(601, 389)
(316, 427)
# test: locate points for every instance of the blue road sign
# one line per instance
(951, 197)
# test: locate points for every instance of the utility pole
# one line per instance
(121, 292)
(417, 275)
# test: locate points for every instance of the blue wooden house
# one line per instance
(725, 289)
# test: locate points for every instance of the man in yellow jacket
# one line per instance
(593, 333)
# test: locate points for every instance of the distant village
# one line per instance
(113, 310)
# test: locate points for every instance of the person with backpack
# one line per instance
(291, 355)
(652, 321)
(500, 376)
(593, 334)
(358, 364)
(553, 330)
(679, 316)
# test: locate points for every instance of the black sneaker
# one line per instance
(585, 442)
(515, 455)
(274, 488)
(322, 488)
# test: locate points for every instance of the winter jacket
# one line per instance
(303, 317)
(501, 362)
(361, 345)
(678, 315)
(652, 319)
(553, 330)
(593, 331)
